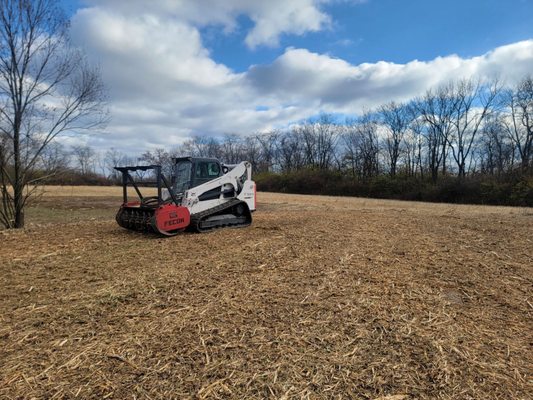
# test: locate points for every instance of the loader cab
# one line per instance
(190, 172)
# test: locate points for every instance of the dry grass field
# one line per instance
(321, 298)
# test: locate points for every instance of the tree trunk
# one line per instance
(19, 215)
(462, 170)
(18, 184)
(444, 158)
(525, 164)
(434, 174)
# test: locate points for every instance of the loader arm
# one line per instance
(235, 184)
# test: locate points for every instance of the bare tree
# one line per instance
(395, 118)
(327, 135)
(415, 141)
(161, 157)
(251, 151)
(473, 102)
(232, 151)
(436, 110)
(53, 159)
(85, 157)
(352, 147)
(307, 138)
(319, 140)
(520, 125)
(362, 146)
(290, 151)
(202, 146)
(412, 150)
(46, 88)
(114, 158)
(268, 142)
(497, 152)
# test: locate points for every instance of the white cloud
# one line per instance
(147, 45)
(297, 17)
(271, 18)
(164, 86)
(300, 75)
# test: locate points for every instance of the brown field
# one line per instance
(321, 298)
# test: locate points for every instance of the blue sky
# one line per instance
(179, 68)
(391, 30)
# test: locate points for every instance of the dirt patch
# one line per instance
(320, 298)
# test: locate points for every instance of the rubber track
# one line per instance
(197, 218)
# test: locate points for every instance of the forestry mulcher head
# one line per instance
(203, 195)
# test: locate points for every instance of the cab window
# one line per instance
(207, 170)
(213, 169)
(182, 176)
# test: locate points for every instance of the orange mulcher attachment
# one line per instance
(152, 213)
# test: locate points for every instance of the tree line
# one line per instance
(464, 133)
(463, 128)
(465, 141)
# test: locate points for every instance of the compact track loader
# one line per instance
(203, 194)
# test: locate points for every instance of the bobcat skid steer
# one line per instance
(203, 194)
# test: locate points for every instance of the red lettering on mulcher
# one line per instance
(171, 218)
